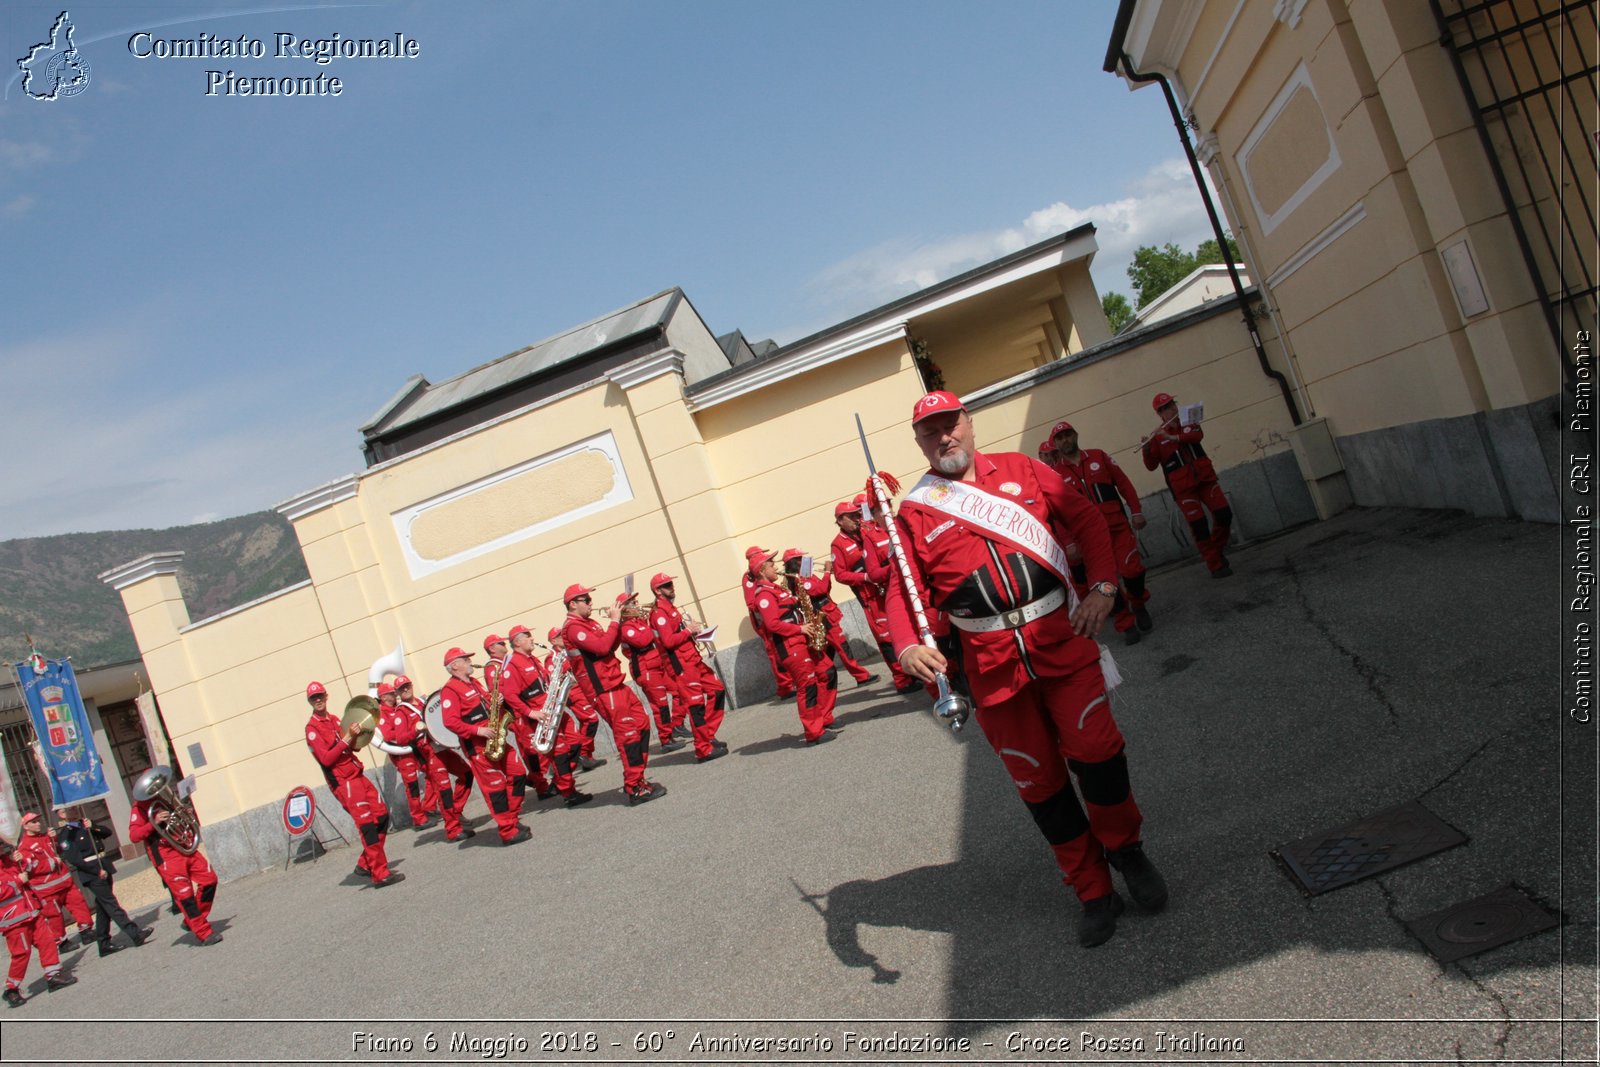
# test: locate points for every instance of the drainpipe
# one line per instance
(1216, 228)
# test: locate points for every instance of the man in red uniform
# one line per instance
(51, 881)
(819, 587)
(1097, 476)
(464, 706)
(702, 690)
(1176, 449)
(768, 642)
(780, 614)
(348, 783)
(855, 552)
(23, 922)
(525, 686)
(188, 878)
(599, 676)
(984, 536)
(650, 672)
(393, 721)
(583, 709)
(1047, 454)
(439, 764)
(499, 652)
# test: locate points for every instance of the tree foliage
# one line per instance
(1155, 270)
(1118, 311)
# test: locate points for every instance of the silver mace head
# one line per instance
(951, 705)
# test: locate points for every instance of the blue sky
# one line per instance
(208, 295)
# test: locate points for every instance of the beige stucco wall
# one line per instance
(1371, 316)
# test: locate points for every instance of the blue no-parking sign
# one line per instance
(299, 808)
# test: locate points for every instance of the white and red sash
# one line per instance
(1012, 525)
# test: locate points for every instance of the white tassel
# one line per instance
(1108, 668)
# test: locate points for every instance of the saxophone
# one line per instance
(499, 719)
(555, 707)
(810, 621)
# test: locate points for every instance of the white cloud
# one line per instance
(1161, 205)
(20, 155)
(17, 206)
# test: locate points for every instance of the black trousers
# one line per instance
(106, 909)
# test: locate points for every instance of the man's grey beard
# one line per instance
(956, 462)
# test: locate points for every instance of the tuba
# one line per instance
(179, 828)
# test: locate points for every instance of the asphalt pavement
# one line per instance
(886, 897)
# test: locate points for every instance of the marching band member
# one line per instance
(1189, 474)
(348, 783)
(702, 690)
(499, 652)
(1097, 476)
(464, 706)
(437, 762)
(51, 881)
(23, 922)
(819, 587)
(983, 535)
(189, 878)
(392, 723)
(583, 709)
(850, 550)
(600, 676)
(780, 614)
(768, 641)
(650, 671)
(525, 686)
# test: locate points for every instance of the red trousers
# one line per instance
(361, 799)
(775, 658)
(809, 673)
(878, 622)
(524, 729)
(441, 794)
(1051, 727)
(588, 721)
(630, 728)
(65, 901)
(22, 939)
(1130, 568)
(502, 783)
(193, 885)
(667, 701)
(1210, 538)
(706, 696)
(838, 644)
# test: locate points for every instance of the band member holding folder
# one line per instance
(985, 534)
(1175, 448)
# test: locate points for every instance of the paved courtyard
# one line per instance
(887, 897)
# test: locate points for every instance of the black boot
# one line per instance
(1145, 884)
(107, 948)
(59, 980)
(1099, 920)
(14, 997)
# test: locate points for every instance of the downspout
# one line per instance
(1216, 228)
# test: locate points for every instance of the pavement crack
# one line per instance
(1499, 1002)
(1368, 673)
(1459, 767)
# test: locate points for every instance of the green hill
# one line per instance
(49, 586)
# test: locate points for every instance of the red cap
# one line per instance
(492, 640)
(1060, 428)
(858, 500)
(623, 598)
(555, 632)
(575, 590)
(792, 553)
(758, 556)
(935, 403)
(385, 689)
(1046, 447)
(517, 629)
(846, 508)
(316, 689)
(400, 682)
(1162, 400)
(660, 580)
(455, 654)
(752, 552)
(29, 815)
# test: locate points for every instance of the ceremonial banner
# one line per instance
(71, 762)
(155, 737)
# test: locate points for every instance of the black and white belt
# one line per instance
(1014, 619)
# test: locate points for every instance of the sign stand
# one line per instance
(300, 818)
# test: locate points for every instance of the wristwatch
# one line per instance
(1105, 589)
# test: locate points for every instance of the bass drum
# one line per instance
(433, 719)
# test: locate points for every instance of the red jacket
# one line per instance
(48, 873)
(677, 643)
(464, 706)
(325, 738)
(1181, 458)
(400, 725)
(597, 666)
(779, 610)
(1097, 476)
(524, 674)
(748, 583)
(819, 587)
(948, 556)
(18, 905)
(642, 647)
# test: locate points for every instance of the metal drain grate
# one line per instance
(1480, 924)
(1368, 846)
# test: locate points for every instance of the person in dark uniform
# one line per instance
(79, 841)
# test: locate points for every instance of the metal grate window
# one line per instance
(1529, 70)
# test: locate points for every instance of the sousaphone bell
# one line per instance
(171, 816)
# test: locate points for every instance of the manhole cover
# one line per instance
(1366, 847)
(1486, 922)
